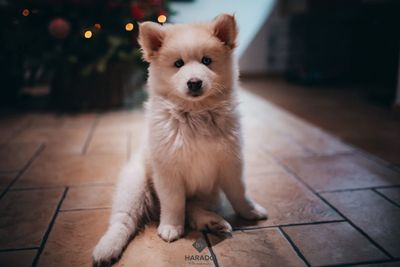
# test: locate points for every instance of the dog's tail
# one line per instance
(134, 204)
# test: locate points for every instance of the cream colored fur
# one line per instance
(192, 149)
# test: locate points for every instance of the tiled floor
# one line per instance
(329, 203)
(353, 113)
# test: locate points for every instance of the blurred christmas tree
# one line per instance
(64, 40)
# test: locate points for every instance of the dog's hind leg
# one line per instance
(200, 218)
(133, 202)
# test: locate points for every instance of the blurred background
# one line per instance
(333, 63)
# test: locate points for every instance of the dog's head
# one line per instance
(190, 61)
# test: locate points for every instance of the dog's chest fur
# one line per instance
(194, 143)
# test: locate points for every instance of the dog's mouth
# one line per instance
(195, 94)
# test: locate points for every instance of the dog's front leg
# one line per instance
(232, 184)
(171, 193)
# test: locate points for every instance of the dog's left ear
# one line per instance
(225, 29)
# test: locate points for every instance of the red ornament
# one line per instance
(59, 28)
(137, 12)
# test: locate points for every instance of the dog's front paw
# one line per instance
(108, 250)
(256, 212)
(169, 232)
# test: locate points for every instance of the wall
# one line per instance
(268, 51)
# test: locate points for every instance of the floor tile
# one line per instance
(148, 250)
(21, 258)
(65, 170)
(25, 216)
(263, 247)
(341, 172)
(376, 216)
(257, 161)
(10, 124)
(62, 121)
(281, 146)
(303, 133)
(332, 243)
(109, 142)
(73, 238)
(274, 142)
(381, 146)
(391, 193)
(120, 120)
(88, 197)
(319, 142)
(287, 201)
(13, 157)
(58, 140)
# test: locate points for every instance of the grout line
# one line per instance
(383, 163)
(215, 261)
(357, 228)
(336, 210)
(293, 174)
(314, 155)
(17, 249)
(385, 197)
(247, 228)
(47, 233)
(296, 249)
(90, 135)
(36, 188)
(61, 186)
(83, 209)
(291, 139)
(358, 189)
(362, 263)
(37, 153)
(90, 185)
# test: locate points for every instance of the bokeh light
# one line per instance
(162, 19)
(88, 34)
(129, 27)
(25, 12)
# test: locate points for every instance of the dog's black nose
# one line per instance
(194, 86)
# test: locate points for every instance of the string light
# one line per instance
(25, 12)
(88, 34)
(97, 26)
(162, 19)
(129, 27)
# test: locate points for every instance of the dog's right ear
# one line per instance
(151, 36)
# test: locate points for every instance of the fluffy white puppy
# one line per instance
(192, 148)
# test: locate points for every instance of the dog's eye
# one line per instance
(206, 61)
(179, 63)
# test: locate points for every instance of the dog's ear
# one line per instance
(225, 29)
(151, 36)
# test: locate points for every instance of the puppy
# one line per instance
(192, 148)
